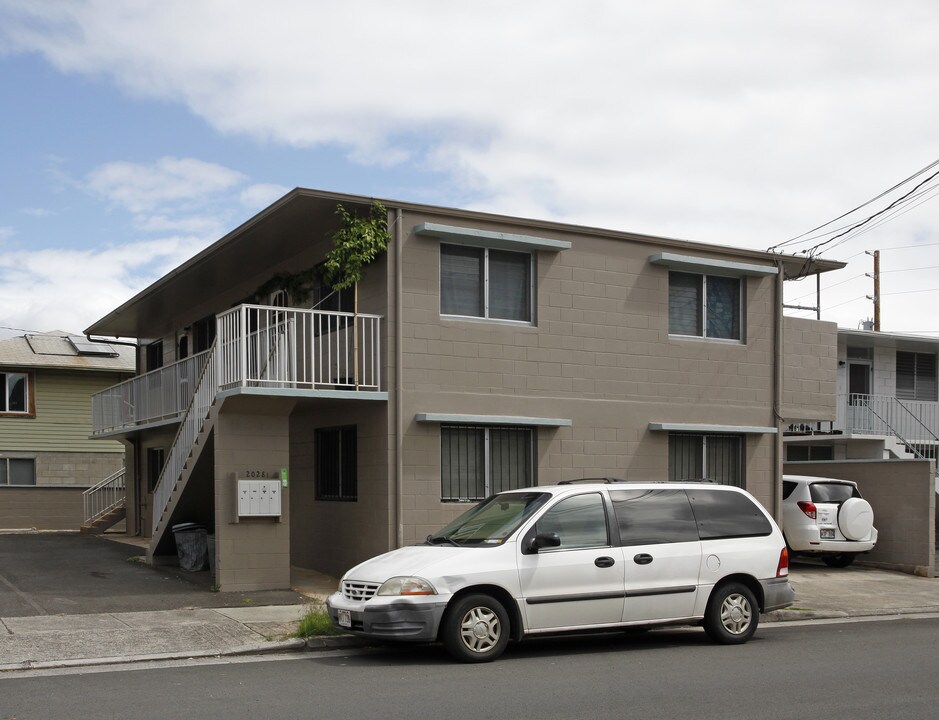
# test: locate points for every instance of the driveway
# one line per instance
(52, 574)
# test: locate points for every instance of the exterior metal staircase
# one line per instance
(197, 423)
(105, 504)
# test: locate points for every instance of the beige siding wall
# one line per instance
(810, 369)
(63, 415)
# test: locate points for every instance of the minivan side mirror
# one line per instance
(544, 540)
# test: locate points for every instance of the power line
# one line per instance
(872, 200)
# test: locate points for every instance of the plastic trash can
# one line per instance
(191, 546)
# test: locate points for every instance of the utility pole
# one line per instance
(876, 296)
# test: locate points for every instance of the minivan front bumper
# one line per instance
(777, 593)
(393, 620)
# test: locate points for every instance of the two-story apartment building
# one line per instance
(488, 352)
(47, 459)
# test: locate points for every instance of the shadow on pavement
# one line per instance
(68, 573)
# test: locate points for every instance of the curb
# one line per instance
(783, 616)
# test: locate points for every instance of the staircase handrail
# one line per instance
(896, 433)
(917, 419)
(104, 496)
(185, 440)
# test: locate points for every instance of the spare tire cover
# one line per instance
(856, 518)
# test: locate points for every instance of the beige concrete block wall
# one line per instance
(810, 369)
(253, 553)
(598, 354)
(41, 508)
(902, 494)
(329, 535)
(76, 468)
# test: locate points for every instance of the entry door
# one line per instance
(859, 387)
(579, 583)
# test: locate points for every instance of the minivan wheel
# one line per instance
(732, 614)
(840, 560)
(475, 629)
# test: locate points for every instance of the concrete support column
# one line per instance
(252, 553)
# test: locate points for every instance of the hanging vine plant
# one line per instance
(357, 242)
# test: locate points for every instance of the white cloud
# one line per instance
(66, 289)
(730, 121)
(259, 196)
(143, 188)
(6, 233)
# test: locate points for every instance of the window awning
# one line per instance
(491, 420)
(707, 428)
(503, 241)
(692, 263)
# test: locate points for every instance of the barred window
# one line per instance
(476, 462)
(705, 457)
(336, 463)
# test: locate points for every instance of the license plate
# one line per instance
(345, 618)
(827, 534)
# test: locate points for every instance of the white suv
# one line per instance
(827, 518)
(575, 557)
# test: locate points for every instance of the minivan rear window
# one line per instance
(828, 492)
(727, 514)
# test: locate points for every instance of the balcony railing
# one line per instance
(162, 394)
(915, 421)
(274, 347)
(259, 347)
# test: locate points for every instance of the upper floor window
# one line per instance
(154, 357)
(916, 376)
(15, 388)
(704, 305)
(486, 283)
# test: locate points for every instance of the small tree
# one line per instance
(357, 242)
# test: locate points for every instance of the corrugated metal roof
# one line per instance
(55, 350)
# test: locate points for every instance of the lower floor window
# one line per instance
(476, 462)
(718, 458)
(17, 471)
(336, 463)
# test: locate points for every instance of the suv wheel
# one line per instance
(840, 560)
(475, 629)
(732, 614)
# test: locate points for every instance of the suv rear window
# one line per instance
(727, 514)
(832, 492)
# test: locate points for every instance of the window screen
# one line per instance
(336, 463)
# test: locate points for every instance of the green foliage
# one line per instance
(357, 242)
(315, 623)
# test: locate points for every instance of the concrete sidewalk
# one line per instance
(48, 641)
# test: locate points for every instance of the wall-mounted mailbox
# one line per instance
(258, 498)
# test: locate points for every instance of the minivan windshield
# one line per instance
(492, 521)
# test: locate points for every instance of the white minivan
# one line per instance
(575, 557)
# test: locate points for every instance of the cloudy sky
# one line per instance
(133, 134)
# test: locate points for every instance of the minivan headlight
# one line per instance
(406, 586)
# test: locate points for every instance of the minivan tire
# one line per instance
(475, 629)
(732, 614)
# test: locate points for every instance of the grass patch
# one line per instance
(315, 623)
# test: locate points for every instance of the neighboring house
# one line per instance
(489, 352)
(888, 401)
(888, 410)
(47, 458)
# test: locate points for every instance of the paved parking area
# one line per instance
(68, 573)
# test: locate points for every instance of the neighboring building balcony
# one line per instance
(915, 422)
(267, 349)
